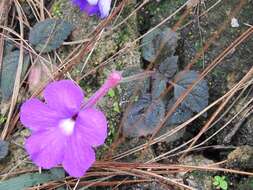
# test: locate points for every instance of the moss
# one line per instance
(155, 12)
(113, 113)
(246, 184)
(241, 157)
(123, 36)
(200, 180)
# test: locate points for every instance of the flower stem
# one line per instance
(139, 76)
(113, 80)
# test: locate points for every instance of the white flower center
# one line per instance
(67, 126)
(92, 2)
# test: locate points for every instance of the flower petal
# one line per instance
(90, 9)
(92, 2)
(104, 7)
(36, 115)
(78, 156)
(64, 96)
(92, 125)
(46, 148)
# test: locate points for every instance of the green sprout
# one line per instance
(111, 93)
(2, 119)
(56, 10)
(220, 182)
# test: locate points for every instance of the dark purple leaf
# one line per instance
(159, 84)
(197, 99)
(159, 42)
(143, 117)
(4, 148)
(169, 66)
(181, 114)
(8, 72)
(49, 34)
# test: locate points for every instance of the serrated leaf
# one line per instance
(152, 43)
(49, 34)
(4, 149)
(197, 99)
(159, 84)
(8, 73)
(181, 114)
(169, 66)
(32, 179)
(143, 117)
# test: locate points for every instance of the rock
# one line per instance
(197, 179)
(244, 135)
(145, 186)
(241, 158)
(196, 160)
(140, 156)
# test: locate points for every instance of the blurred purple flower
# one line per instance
(64, 132)
(94, 7)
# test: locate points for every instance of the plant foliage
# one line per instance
(8, 72)
(4, 148)
(149, 111)
(49, 34)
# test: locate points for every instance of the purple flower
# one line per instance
(64, 132)
(94, 7)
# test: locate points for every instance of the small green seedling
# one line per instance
(2, 119)
(220, 182)
(111, 93)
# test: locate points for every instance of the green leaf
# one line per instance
(49, 34)
(216, 183)
(2, 119)
(8, 73)
(223, 185)
(32, 179)
(111, 93)
(217, 178)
